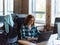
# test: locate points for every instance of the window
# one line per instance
(55, 10)
(9, 6)
(1, 7)
(38, 9)
(6, 6)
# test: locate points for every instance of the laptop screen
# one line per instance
(44, 36)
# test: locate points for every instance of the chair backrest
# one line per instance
(20, 21)
(12, 29)
(12, 35)
(2, 22)
(12, 32)
(57, 20)
(1, 18)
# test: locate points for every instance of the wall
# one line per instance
(21, 6)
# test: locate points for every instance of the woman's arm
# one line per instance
(37, 31)
(23, 32)
(24, 42)
(32, 39)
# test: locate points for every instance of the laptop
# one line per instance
(44, 36)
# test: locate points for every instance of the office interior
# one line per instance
(45, 12)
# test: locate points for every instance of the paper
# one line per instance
(56, 42)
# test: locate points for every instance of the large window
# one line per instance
(6, 7)
(38, 9)
(1, 7)
(55, 10)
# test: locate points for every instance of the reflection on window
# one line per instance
(41, 5)
(40, 11)
(53, 11)
(8, 7)
(57, 8)
(1, 7)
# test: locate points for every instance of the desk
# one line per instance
(52, 39)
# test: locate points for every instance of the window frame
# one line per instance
(32, 10)
(5, 10)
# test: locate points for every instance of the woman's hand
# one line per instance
(31, 39)
(35, 38)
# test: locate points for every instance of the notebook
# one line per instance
(56, 42)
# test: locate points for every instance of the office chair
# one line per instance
(55, 25)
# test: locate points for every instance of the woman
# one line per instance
(29, 32)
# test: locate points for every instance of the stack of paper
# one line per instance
(56, 42)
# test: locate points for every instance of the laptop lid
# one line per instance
(44, 36)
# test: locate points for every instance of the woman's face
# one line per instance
(31, 21)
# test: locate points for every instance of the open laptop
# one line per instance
(44, 36)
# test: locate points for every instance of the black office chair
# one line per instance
(1, 18)
(20, 21)
(3, 38)
(55, 25)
